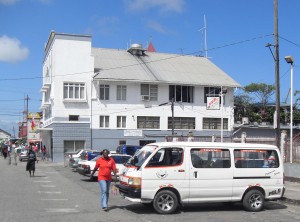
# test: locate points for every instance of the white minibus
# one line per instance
(170, 174)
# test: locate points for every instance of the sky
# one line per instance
(237, 32)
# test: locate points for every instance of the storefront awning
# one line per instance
(45, 129)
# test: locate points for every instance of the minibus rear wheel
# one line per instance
(165, 202)
(253, 201)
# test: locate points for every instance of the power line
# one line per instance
(10, 100)
(136, 64)
(289, 41)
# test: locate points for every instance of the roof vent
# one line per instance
(136, 49)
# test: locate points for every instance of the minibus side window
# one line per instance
(210, 158)
(167, 157)
(253, 158)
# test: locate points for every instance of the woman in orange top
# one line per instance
(106, 165)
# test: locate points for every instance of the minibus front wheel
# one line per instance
(165, 202)
(253, 201)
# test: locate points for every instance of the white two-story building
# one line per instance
(99, 98)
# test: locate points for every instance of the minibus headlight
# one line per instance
(134, 181)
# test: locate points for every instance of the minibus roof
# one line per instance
(215, 145)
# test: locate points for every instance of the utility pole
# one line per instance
(26, 107)
(276, 45)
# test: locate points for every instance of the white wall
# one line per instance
(133, 107)
(69, 60)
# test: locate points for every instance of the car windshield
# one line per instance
(120, 159)
(139, 158)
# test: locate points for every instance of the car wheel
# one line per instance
(253, 201)
(165, 202)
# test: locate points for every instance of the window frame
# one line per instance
(213, 92)
(146, 120)
(104, 121)
(179, 121)
(181, 93)
(104, 91)
(254, 158)
(73, 117)
(121, 92)
(216, 122)
(150, 90)
(210, 158)
(120, 124)
(166, 157)
(77, 89)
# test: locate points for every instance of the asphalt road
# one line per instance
(58, 194)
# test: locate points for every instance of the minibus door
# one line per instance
(211, 175)
(165, 169)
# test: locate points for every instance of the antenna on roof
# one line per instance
(204, 38)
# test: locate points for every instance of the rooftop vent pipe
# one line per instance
(136, 49)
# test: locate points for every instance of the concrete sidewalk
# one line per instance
(292, 192)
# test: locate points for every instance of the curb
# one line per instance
(292, 179)
(290, 201)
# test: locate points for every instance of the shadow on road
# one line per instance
(211, 207)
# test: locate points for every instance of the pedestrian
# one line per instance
(106, 166)
(44, 151)
(35, 149)
(30, 166)
(5, 151)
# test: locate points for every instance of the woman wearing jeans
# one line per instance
(106, 165)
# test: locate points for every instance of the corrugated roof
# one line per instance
(120, 65)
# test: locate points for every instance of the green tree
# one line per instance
(263, 93)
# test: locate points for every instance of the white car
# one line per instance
(86, 167)
(23, 155)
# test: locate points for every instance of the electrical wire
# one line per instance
(289, 41)
(153, 61)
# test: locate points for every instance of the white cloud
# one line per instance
(164, 5)
(11, 50)
(156, 26)
(8, 2)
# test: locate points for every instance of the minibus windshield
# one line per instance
(139, 158)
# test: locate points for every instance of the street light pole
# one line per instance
(222, 114)
(290, 60)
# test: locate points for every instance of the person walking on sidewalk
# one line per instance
(44, 152)
(30, 166)
(106, 165)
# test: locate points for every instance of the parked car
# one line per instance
(23, 155)
(73, 162)
(128, 149)
(75, 154)
(74, 158)
(18, 150)
(86, 167)
(89, 154)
